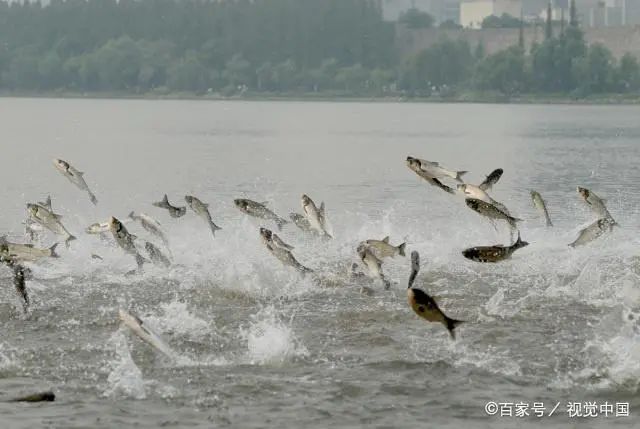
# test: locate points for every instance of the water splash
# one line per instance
(125, 379)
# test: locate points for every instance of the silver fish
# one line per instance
(283, 255)
(174, 212)
(33, 230)
(315, 216)
(491, 179)
(43, 215)
(156, 256)
(259, 210)
(301, 222)
(473, 191)
(540, 204)
(139, 328)
(150, 225)
(202, 210)
(437, 171)
(271, 237)
(373, 264)
(76, 177)
(495, 253)
(596, 203)
(25, 252)
(125, 240)
(98, 228)
(490, 211)
(593, 231)
(382, 248)
(415, 166)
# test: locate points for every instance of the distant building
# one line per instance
(473, 12)
(441, 10)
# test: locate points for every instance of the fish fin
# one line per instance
(214, 228)
(459, 175)
(80, 173)
(69, 240)
(57, 216)
(441, 185)
(47, 203)
(386, 239)
(451, 326)
(415, 267)
(131, 215)
(164, 203)
(133, 236)
(264, 203)
(93, 198)
(401, 249)
(52, 249)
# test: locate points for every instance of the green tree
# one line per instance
(628, 73)
(414, 18)
(504, 21)
(504, 71)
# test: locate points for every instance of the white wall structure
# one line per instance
(473, 12)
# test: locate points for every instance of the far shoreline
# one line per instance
(462, 98)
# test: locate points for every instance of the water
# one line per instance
(259, 346)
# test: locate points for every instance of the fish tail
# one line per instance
(549, 223)
(131, 215)
(459, 175)
(214, 228)
(451, 326)
(69, 240)
(140, 260)
(93, 198)
(401, 249)
(164, 203)
(52, 249)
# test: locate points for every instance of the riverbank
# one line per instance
(462, 97)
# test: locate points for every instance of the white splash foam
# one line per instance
(125, 378)
(178, 320)
(8, 361)
(270, 340)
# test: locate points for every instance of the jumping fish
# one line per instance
(301, 222)
(25, 252)
(476, 192)
(540, 204)
(495, 253)
(139, 328)
(271, 237)
(156, 255)
(596, 203)
(150, 225)
(382, 248)
(125, 240)
(490, 211)
(315, 216)
(259, 210)
(373, 264)
(174, 212)
(491, 179)
(202, 210)
(593, 231)
(415, 166)
(283, 255)
(75, 177)
(437, 171)
(43, 215)
(423, 304)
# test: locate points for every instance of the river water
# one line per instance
(259, 346)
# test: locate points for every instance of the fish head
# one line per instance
(114, 224)
(266, 234)
(472, 203)
(32, 209)
(61, 165)
(413, 163)
(306, 200)
(149, 247)
(584, 192)
(534, 194)
(241, 204)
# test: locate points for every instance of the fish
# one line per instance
(97, 257)
(174, 212)
(490, 211)
(491, 179)
(415, 166)
(473, 191)
(42, 214)
(259, 210)
(593, 231)
(150, 225)
(301, 222)
(540, 204)
(98, 228)
(32, 229)
(596, 203)
(156, 255)
(270, 237)
(36, 397)
(382, 248)
(19, 280)
(495, 253)
(75, 176)
(202, 210)
(125, 240)
(145, 333)
(315, 216)
(26, 252)
(283, 255)
(373, 265)
(424, 305)
(437, 171)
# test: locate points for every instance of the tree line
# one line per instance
(340, 47)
